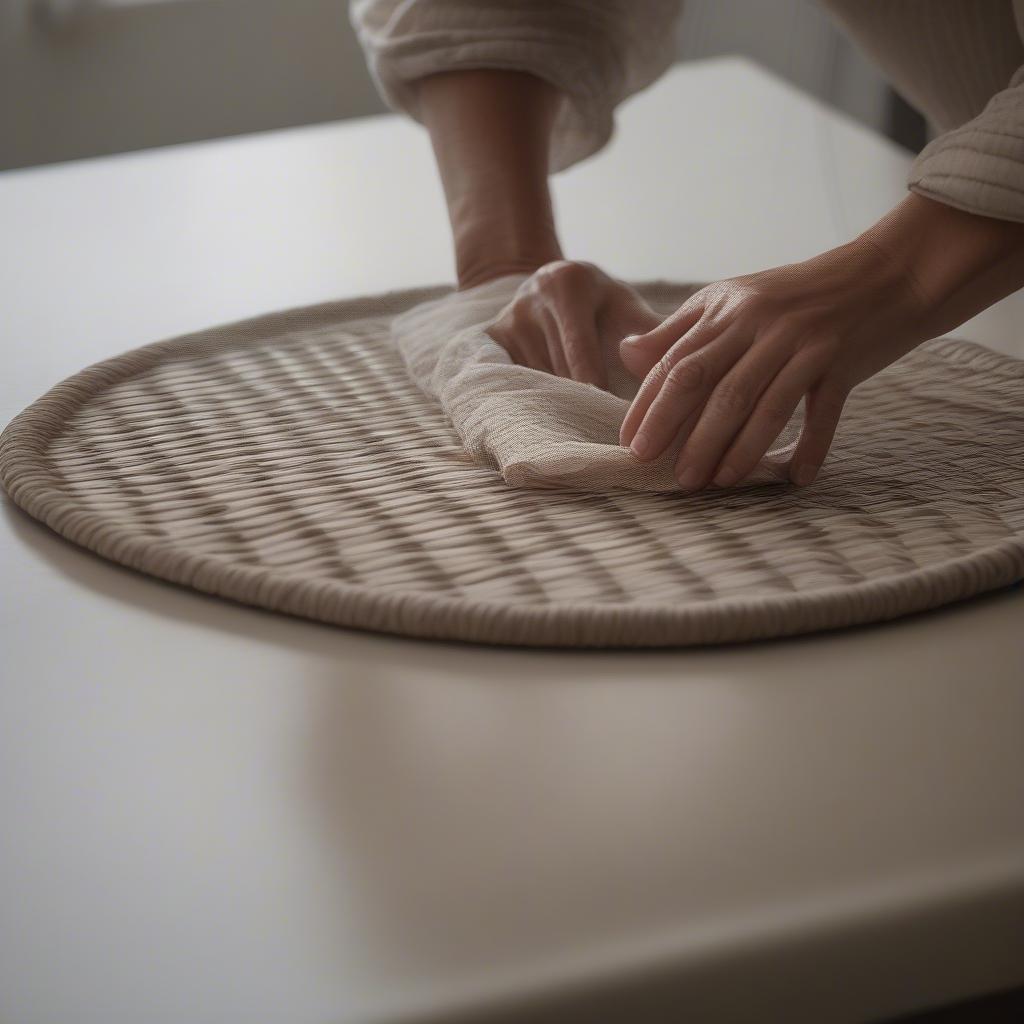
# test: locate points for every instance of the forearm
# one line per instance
(490, 131)
(957, 263)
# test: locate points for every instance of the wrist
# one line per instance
(953, 264)
(485, 250)
(471, 276)
(490, 130)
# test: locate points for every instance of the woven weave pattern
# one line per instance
(290, 462)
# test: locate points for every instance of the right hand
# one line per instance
(555, 320)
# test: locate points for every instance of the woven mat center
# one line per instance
(289, 462)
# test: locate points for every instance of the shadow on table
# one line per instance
(455, 792)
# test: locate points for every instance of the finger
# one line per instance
(663, 335)
(553, 344)
(653, 379)
(581, 348)
(640, 352)
(824, 409)
(728, 409)
(671, 395)
(525, 348)
(700, 336)
(773, 411)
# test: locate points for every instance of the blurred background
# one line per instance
(82, 78)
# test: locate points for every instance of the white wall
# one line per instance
(130, 74)
(798, 41)
(148, 74)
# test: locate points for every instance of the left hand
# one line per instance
(554, 320)
(730, 367)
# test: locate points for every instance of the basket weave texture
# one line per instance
(290, 462)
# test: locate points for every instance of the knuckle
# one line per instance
(717, 296)
(820, 347)
(733, 397)
(661, 370)
(751, 303)
(687, 376)
(776, 415)
(563, 273)
(789, 325)
(574, 343)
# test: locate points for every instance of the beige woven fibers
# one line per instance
(290, 462)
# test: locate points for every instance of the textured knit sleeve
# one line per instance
(979, 167)
(959, 62)
(595, 52)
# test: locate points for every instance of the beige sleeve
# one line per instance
(596, 52)
(959, 62)
(979, 167)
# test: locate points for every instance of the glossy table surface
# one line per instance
(211, 814)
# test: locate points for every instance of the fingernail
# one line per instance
(641, 445)
(726, 477)
(689, 478)
(631, 339)
(803, 475)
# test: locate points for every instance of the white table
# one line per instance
(213, 814)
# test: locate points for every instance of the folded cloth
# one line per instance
(534, 428)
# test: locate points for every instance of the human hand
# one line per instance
(729, 368)
(555, 320)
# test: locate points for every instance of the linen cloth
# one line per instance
(537, 429)
(960, 61)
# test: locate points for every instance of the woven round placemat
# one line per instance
(289, 462)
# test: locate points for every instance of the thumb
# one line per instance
(639, 352)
